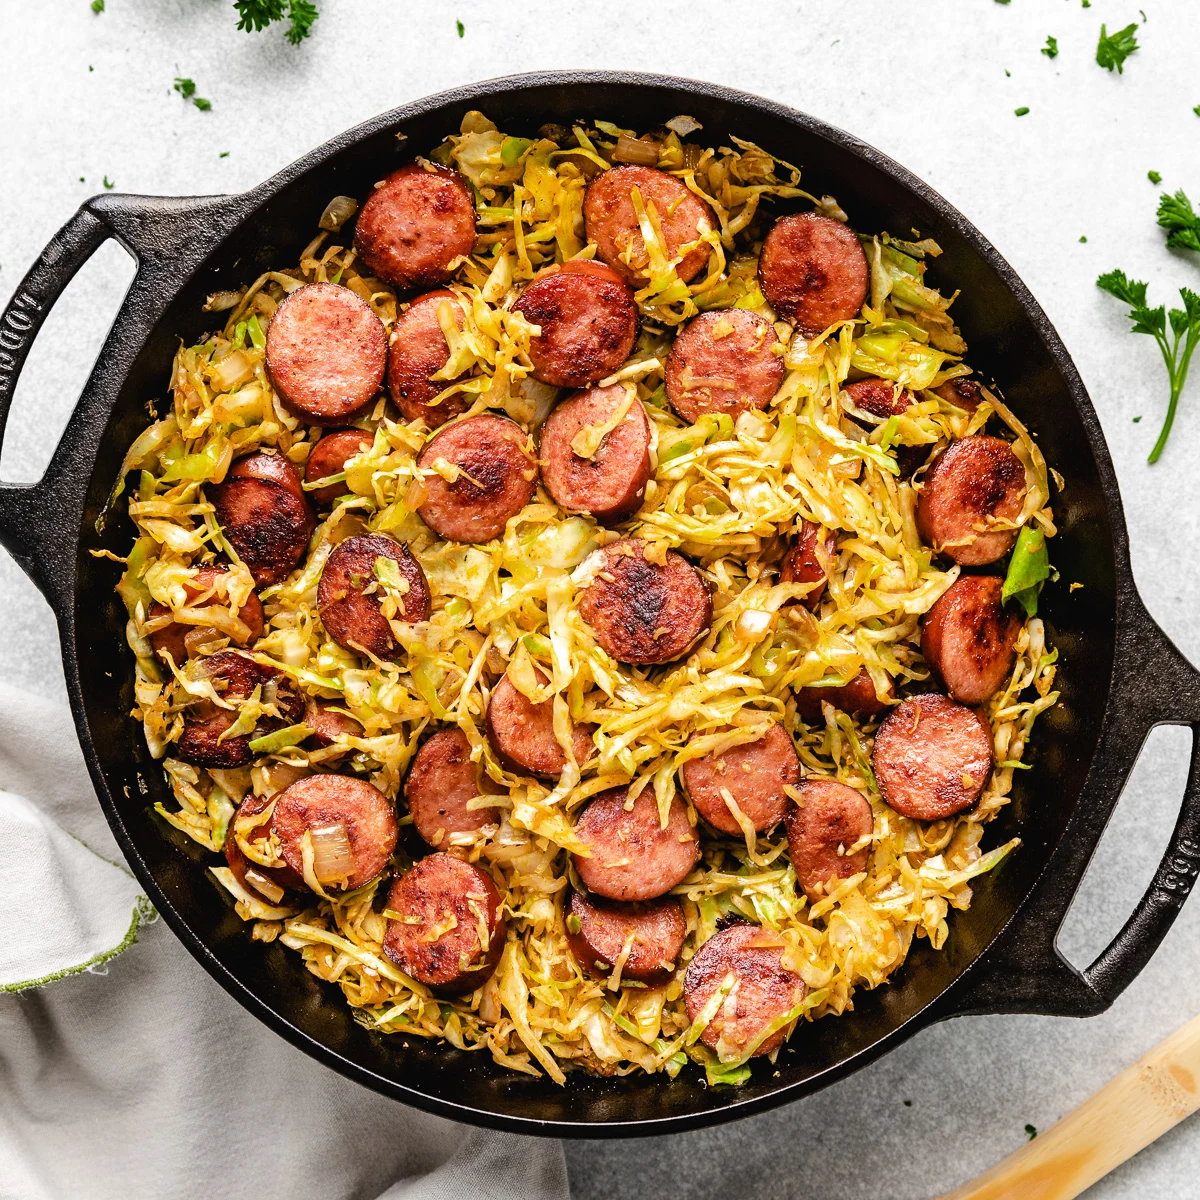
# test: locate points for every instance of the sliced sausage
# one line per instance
(633, 857)
(249, 823)
(598, 931)
(353, 616)
(441, 782)
(879, 397)
(611, 221)
(588, 322)
(754, 774)
(932, 757)
(725, 361)
(803, 562)
(172, 638)
(962, 393)
(418, 350)
(830, 818)
(641, 611)
(762, 989)
(329, 457)
(447, 932)
(326, 350)
(813, 271)
(975, 479)
(497, 478)
(318, 802)
(611, 483)
(234, 678)
(265, 515)
(416, 226)
(858, 697)
(327, 724)
(522, 733)
(969, 637)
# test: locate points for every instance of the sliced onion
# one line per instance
(260, 883)
(337, 212)
(333, 856)
(220, 301)
(197, 639)
(640, 151)
(683, 125)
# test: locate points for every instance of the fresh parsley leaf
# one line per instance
(108, 184)
(1113, 51)
(1083, 238)
(1177, 332)
(1050, 49)
(462, 29)
(1031, 1131)
(185, 87)
(1007, 73)
(256, 15)
(1087, 3)
(1179, 219)
(1020, 112)
(97, 6)
(202, 104)
(1136, 420)
(1154, 177)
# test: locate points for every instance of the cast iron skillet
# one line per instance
(1120, 675)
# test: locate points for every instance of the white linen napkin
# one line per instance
(137, 1076)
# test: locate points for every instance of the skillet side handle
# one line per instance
(1153, 684)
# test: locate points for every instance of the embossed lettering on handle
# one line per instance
(16, 329)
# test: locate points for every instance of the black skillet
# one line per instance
(1120, 675)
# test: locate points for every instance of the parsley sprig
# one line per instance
(1179, 219)
(1112, 50)
(1176, 333)
(187, 89)
(256, 15)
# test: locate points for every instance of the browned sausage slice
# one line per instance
(970, 638)
(611, 483)
(932, 757)
(962, 393)
(598, 931)
(761, 989)
(353, 617)
(633, 857)
(809, 561)
(857, 697)
(588, 323)
(249, 824)
(327, 724)
(724, 361)
(831, 818)
(497, 478)
(447, 932)
(234, 678)
(522, 733)
(326, 350)
(416, 225)
(813, 271)
(329, 457)
(174, 637)
(879, 397)
(418, 350)
(975, 478)
(320, 803)
(612, 223)
(754, 774)
(262, 508)
(641, 611)
(441, 782)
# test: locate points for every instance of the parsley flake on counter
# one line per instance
(462, 29)
(108, 184)
(187, 89)
(1176, 333)
(1196, 110)
(1020, 112)
(1031, 1131)
(1050, 49)
(223, 154)
(1112, 51)
(1179, 219)
(256, 15)
(1083, 237)
(97, 6)
(1154, 177)
(1136, 420)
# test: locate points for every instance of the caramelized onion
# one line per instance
(333, 856)
(640, 151)
(260, 883)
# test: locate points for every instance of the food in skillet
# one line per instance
(574, 607)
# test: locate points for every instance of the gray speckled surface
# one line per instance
(925, 81)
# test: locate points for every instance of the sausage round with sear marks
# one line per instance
(962, 393)
(754, 775)
(746, 963)
(353, 617)
(522, 732)
(234, 677)
(803, 563)
(329, 457)
(830, 818)
(633, 857)
(417, 351)
(879, 397)
(265, 515)
(441, 782)
(327, 724)
(416, 226)
(447, 932)
(316, 805)
(245, 824)
(858, 697)
(932, 757)
(326, 351)
(177, 638)
(609, 483)
(970, 637)
(725, 361)
(599, 930)
(588, 322)
(496, 478)
(612, 222)
(642, 611)
(813, 271)
(974, 480)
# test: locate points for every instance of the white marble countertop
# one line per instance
(935, 84)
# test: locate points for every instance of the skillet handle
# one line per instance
(1153, 684)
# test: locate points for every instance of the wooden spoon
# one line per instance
(1123, 1117)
